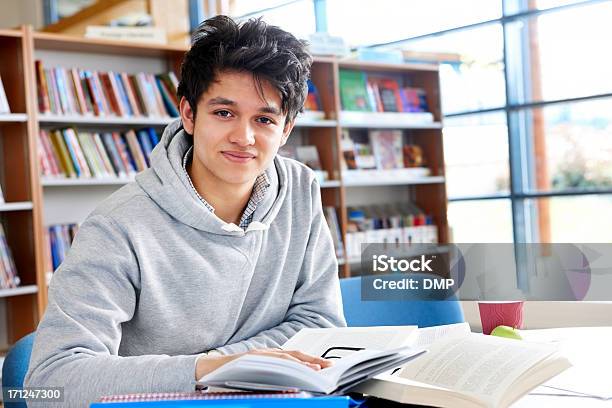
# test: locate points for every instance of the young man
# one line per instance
(220, 248)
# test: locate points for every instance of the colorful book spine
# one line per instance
(64, 156)
(42, 88)
(113, 153)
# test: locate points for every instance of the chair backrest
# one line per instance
(15, 368)
(423, 313)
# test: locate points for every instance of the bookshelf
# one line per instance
(34, 202)
(20, 214)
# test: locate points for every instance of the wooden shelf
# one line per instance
(397, 182)
(16, 206)
(61, 42)
(21, 290)
(385, 66)
(11, 33)
(331, 184)
(387, 120)
(13, 117)
(103, 121)
(62, 182)
(300, 122)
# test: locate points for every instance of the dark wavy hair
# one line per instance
(266, 51)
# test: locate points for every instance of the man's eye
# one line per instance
(223, 113)
(264, 120)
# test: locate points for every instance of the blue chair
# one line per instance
(15, 368)
(423, 313)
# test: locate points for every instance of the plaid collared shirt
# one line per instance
(262, 182)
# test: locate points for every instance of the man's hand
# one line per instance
(211, 362)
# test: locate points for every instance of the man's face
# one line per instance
(236, 132)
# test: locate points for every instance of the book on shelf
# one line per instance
(331, 217)
(308, 155)
(387, 147)
(9, 278)
(313, 99)
(470, 370)
(1, 195)
(256, 372)
(391, 224)
(353, 91)
(225, 398)
(66, 153)
(59, 239)
(73, 91)
(150, 35)
(4, 104)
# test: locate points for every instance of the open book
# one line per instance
(470, 370)
(256, 372)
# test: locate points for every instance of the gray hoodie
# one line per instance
(154, 279)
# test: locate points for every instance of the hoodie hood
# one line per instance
(167, 184)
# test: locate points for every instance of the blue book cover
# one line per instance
(54, 248)
(145, 143)
(168, 103)
(153, 136)
(128, 152)
(122, 93)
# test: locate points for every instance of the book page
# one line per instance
(429, 335)
(482, 365)
(340, 342)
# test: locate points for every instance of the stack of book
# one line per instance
(66, 153)
(59, 239)
(402, 223)
(375, 93)
(4, 105)
(73, 91)
(8, 272)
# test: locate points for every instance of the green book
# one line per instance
(353, 91)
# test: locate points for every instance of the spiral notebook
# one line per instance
(225, 399)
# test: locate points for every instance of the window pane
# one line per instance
(570, 145)
(547, 4)
(298, 18)
(573, 219)
(241, 7)
(566, 58)
(480, 221)
(365, 22)
(476, 155)
(476, 79)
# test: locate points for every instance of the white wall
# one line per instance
(14, 13)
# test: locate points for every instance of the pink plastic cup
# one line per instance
(493, 314)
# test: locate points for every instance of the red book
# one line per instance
(42, 88)
(131, 94)
(111, 96)
(80, 95)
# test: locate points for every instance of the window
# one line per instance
(297, 17)
(577, 219)
(480, 221)
(365, 22)
(476, 155)
(476, 79)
